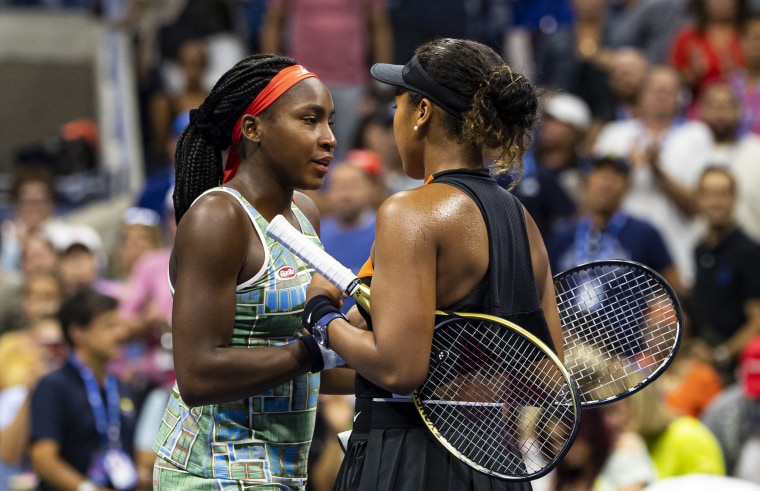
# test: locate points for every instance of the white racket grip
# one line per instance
(282, 231)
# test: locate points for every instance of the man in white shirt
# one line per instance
(667, 155)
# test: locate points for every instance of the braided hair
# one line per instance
(198, 158)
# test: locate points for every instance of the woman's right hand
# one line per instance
(320, 286)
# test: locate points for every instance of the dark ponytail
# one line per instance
(198, 159)
(504, 104)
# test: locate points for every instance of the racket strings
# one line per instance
(619, 326)
(496, 398)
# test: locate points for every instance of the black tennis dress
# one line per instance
(390, 449)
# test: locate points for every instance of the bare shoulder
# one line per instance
(431, 204)
(212, 224)
(309, 208)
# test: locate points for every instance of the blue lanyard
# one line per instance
(605, 239)
(107, 422)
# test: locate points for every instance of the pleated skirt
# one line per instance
(410, 459)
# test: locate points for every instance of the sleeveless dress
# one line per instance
(260, 443)
(390, 449)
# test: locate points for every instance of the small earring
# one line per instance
(414, 127)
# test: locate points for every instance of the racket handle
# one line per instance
(282, 231)
(360, 294)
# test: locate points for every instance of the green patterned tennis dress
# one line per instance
(260, 443)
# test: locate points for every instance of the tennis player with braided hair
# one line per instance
(458, 243)
(241, 415)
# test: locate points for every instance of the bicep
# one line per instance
(404, 284)
(43, 451)
(207, 269)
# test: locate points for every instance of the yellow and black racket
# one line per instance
(621, 327)
(495, 396)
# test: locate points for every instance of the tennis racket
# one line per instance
(495, 396)
(621, 327)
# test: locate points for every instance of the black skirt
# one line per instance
(399, 454)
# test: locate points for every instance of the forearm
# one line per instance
(387, 368)
(14, 437)
(226, 374)
(739, 340)
(56, 473)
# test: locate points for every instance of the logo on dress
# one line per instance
(285, 273)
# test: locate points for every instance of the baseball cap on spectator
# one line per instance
(67, 238)
(569, 109)
(749, 368)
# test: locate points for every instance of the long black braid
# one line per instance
(198, 158)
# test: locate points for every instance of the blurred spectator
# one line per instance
(679, 445)
(647, 25)
(146, 308)
(41, 295)
(719, 109)
(146, 360)
(38, 254)
(691, 381)
(746, 81)
(576, 59)
(167, 105)
(140, 233)
(629, 467)
(336, 40)
(25, 355)
(667, 155)
(604, 456)
(416, 21)
(83, 260)
(154, 192)
(628, 71)
(708, 48)
(604, 231)
(32, 208)
(727, 286)
(211, 20)
(375, 133)
(82, 417)
(746, 172)
(734, 417)
(550, 185)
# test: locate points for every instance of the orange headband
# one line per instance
(280, 83)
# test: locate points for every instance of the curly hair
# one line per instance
(504, 103)
(198, 157)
